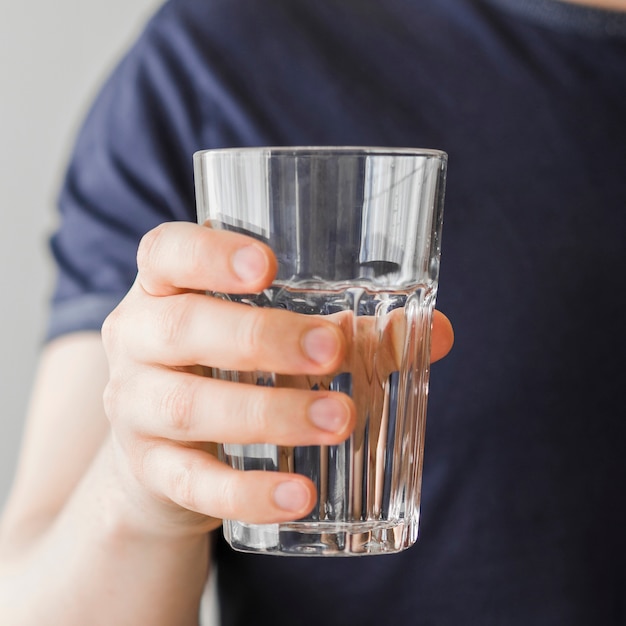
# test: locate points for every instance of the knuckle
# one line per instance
(110, 330)
(172, 319)
(112, 399)
(250, 334)
(148, 251)
(227, 496)
(256, 410)
(177, 407)
(196, 252)
(183, 486)
(139, 455)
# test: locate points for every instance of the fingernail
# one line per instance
(320, 345)
(249, 263)
(291, 496)
(329, 414)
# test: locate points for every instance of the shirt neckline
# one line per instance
(570, 17)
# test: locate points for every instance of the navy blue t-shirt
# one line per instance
(524, 494)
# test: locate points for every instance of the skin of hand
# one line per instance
(613, 5)
(109, 512)
(163, 410)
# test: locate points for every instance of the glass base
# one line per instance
(322, 538)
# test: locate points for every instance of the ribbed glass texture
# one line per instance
(356, 232)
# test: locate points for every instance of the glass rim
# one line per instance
(324, 151)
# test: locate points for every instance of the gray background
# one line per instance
(53, 56)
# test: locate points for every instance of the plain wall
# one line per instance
(53, 56)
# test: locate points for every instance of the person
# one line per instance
(115, 511)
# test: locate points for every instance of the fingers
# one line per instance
(183, 407)
(197, 481)
(442, 337)
(180, 328)
(161, 413)
(191, 328)
(179, 256)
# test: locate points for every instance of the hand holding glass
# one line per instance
(356, 232)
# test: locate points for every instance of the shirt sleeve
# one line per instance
(131, 169)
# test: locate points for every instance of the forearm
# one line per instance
(95, 565)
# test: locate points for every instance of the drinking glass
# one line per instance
(356, 232)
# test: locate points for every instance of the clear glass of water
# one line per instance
(356, 232)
